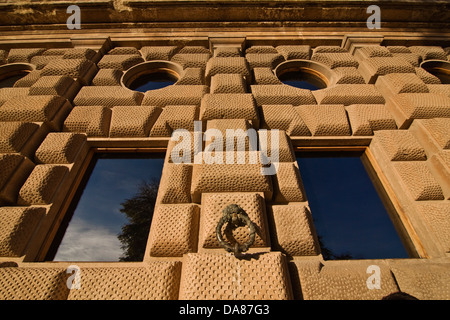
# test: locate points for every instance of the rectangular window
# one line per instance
(349, 215)
(110, 215)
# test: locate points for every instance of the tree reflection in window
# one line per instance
(110, 216)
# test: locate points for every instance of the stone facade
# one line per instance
(73, 101)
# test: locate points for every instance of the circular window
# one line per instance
(151, 75)
(304, 74)
(438, 68)
(11, 73)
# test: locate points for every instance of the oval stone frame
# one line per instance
(312, 68)
(149, 67)
(440, 67)
(12, 69)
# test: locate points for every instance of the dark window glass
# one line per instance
(302, 80)
(152, 81)
(350, 219)
(109, 218)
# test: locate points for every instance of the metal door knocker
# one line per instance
(236, 217)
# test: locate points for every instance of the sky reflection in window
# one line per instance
(350, 218)
(96, 219)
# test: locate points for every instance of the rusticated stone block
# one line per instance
(264, 60)
(14, 135)
(367, 118)
(229, 178)
(175, 95)
(213, 276)
(443, 89)
(107, 96)
(10, 93)
(395, 83)
(234, 133)
(372, 52)
(41, 61)
(281, 94)
(79, 53)
(439, 129)
(92, 120)
(408, 106)
(158, 53)
(427, 77)
(50, 109)
(413, 58)
(81, 69)
(120, 62)
(429, 52)
(107, 77)
(17, 55)
(400, 145)
(418, 180)
(348, 94)
(330, 280)
(329, 49)
(430, 282)
(283, 146)
(348, 75)
(18, 224)
(223, 52)
(290, 52)
(288, 184)
(194, 49)
(212, 210)
(228, 83)
(175, 183)
(437, 217)
(261, 50)
(174, 230)
(283, 117)
(60, 148)
(173, 118)
(265, 76)
(229, 106)
(33, 283)
(325, 120)
(28, 80)
(335, 59)
(132, 121)
(156, 280)
(227, 65)
(372, 68)
(191, 60)
(14, 170)
(55, 85)
(192, 76)
(293, 230)
(124, 51)
(42, 184)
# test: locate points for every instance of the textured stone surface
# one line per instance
(288, 185)
(283, 117)
(92, 120)
(330, 280)
(14, 170)
(367, 118)
(335, 59)
(132, 121)
(209, 276)
(173, 118)
(228, 83)
(175, 95)
(156, 280)
(18, 224)
(176, 183)
(439, 129)
(60, 148)
(325, 120)
(107, 77)
(42, 184)
(228, 65)
(400, 145)
(107, 96)
(348, 94)
(119, 62)
(14, 135)
(33, 283)
(424, 282)
(371, 68)
(293, 230)
(281, 94)
(158, 53)
(174, 230)
(418, 181)
(437, 217)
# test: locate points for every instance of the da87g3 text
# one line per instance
(246, 309)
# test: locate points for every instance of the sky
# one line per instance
(347, 212)
(92, 232)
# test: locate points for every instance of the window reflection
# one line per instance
(110, 216)
(349, 216)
